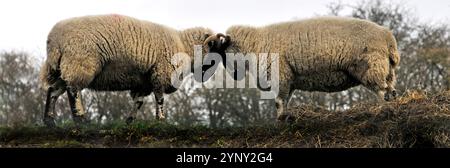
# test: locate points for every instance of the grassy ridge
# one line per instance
(414, 120)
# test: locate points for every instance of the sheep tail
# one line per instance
(50, 72)
(394, 55)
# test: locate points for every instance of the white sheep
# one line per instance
(113, 53)
(326, 54)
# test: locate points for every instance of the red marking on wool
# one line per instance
(116, 16)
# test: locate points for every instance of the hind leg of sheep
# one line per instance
(159, 97)
(373, 74)
(52, 96)
(380, 88)
(138, 100)
(76, 105)
(391, 93)
(281, 104)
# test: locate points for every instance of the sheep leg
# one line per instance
(379, 88)
(281, 104)
(52, 96)
(159, 97)
(373, 74)
(138, 102)
(391, 93)
(76, 105)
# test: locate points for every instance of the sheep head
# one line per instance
(212, 44)
(219, 44)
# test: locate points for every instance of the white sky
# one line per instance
(24, 24)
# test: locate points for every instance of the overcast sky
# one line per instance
(25, 23)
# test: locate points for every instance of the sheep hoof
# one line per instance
(80, 120)
(389, 96)
(160, 117)
(129, 120)
(286, 118)
(49, 122)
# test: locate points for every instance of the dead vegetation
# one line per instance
(414, 120)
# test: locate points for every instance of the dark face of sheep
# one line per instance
(212, 45)
(218, 44)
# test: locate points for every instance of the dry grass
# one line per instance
(414, 120)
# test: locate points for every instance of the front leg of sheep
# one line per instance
(159, 97)
(76, 105)
(137, 103)
(138, 99)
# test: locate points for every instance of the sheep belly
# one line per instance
(329, 81)
(120, 77)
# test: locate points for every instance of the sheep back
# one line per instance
(114, 52)
(319, 52)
